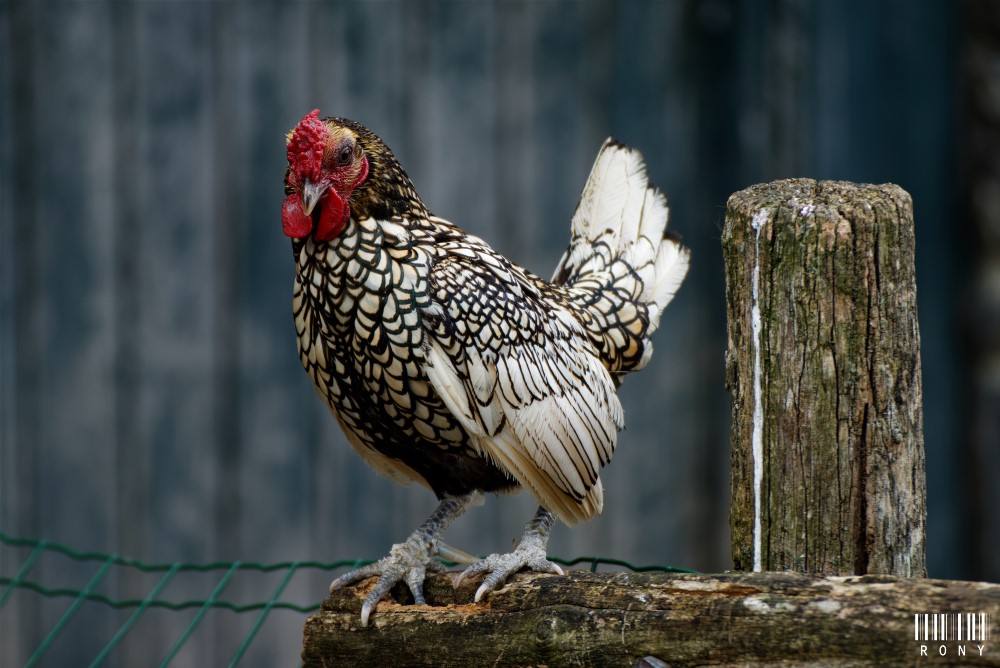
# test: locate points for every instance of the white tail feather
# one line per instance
(620, 215)
(670, 268)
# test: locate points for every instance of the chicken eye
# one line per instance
(345, 156)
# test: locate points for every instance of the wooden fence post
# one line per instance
(823, 368)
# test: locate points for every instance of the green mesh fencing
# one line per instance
(106, 563)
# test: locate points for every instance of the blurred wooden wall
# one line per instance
(151, 399)
(980, 56)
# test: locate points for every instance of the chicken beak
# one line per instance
(311, 192)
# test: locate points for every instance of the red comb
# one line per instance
(306, 146)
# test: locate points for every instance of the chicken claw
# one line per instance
(530, 553)
(408, 561)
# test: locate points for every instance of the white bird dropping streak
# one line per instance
(757, 439)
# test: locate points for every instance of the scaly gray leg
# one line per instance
(529, 552)
(410, 560)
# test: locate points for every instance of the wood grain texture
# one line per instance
(616, 619)
(843, 453)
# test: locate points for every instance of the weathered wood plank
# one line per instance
(20, 352)
(175, 247)
(824, 371)
(615, 619)
(74, 235)
(177, 286)
(65, 289)
(981, 319)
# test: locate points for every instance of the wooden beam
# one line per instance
(823, 368)
(618, 619)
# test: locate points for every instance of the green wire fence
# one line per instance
(108, 562)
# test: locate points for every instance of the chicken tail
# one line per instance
(622, 265)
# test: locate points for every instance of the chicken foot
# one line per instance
(530, 553)
(410, 560)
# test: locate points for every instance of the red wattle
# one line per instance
(333, 216)
(294, 222)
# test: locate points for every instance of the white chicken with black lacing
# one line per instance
(446, 364)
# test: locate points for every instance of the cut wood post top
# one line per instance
(823, 367)
(794, 192)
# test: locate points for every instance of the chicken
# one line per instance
(449, 366)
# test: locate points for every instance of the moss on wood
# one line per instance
(616, 619)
